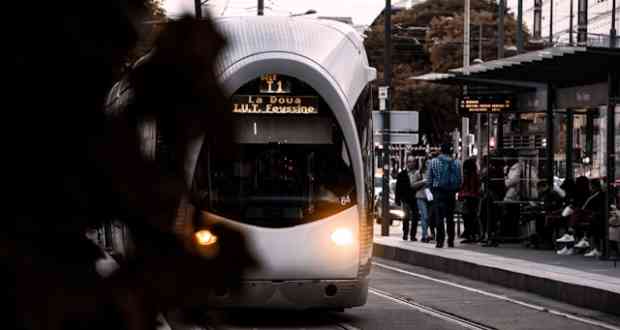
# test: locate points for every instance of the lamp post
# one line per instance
(387, 77)
(612, 32)
(198, 8)
(520, 27)
(551, 23)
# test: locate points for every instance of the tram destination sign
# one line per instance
(275, 104)
(486, 103)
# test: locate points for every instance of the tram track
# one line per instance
(434, 312)
(467, 322)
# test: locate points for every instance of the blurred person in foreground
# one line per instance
(74, 166)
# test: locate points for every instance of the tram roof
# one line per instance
(332, 47)
(563, 66)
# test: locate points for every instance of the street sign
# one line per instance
(383, 92)
(398, 138)
(400, 121)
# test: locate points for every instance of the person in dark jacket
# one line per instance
(405, 196)
(470, 196)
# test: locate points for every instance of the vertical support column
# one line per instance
(520, 26)
(387, 76)
(537, 19)
(500, 28)
(198, 9)
(466, 38)
(569, 144)
(261, 7)
(612, 83)
(551, 23)
(480, 43)
(570, 25)
(582, 23)
(549, 131)
(500, 133)
(612, 31)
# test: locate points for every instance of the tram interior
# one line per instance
(285, 172)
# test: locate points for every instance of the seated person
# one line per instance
(552, 203)
(576, 195)
(590, 215)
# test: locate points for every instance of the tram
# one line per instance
(300, 186)
(298, 182)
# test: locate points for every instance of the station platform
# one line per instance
(575, 279)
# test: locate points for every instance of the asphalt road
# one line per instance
(408, 297)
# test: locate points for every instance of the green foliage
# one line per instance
(442, 45)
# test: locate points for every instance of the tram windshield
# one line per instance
(285, 171)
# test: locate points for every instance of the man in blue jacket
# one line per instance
(444, 175)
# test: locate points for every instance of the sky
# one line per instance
(364, 12)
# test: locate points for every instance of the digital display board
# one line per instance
(272, 104)
(486, 103)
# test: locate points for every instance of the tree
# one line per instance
(435, 27)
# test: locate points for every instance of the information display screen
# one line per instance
(486, 103)
(281, 104)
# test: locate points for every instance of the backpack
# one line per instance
(450, 181)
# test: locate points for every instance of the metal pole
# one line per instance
(466, 38)
(520, 27)
(582, 23)
(387, 76)
(550, 131)
(612, 85)
(550, 23)
(570, 26)
(538, 20)
(480, 43)
(569, 143)
(198, 8)
(261, 7)
(500, 28)
(612, 32)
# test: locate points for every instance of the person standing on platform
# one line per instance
(422, 200)
(405, 196)
(470, 196)
(444, 176)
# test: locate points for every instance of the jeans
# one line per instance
(410, 222)
(423, 209)
(443, 204)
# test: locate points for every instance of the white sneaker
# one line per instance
(562, 251)
(567, 238)
(593, 253)
(583, 243)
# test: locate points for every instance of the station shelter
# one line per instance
(555, 109)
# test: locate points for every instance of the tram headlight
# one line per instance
(205, 237)
(342, 236)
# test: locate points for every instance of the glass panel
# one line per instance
(283, 173)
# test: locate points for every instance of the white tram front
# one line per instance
(298, 183)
